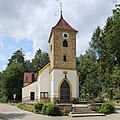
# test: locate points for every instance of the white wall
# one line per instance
(77, 83)
(43, 84)
(58, 76)
(29, 88)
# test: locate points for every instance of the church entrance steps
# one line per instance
(82, 110)
(86, 115)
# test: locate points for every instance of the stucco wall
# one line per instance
(29, 88)
(43, 84)
(58, 76)
(50, 83)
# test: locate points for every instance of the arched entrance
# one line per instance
(65, 92)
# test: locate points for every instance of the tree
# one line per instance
(39, 60)
(28, 67)
(103, 71)
(13, 80)
(88, 75)
(17, 57)
(3, 96)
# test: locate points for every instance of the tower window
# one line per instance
(64, 58)
(65, 43)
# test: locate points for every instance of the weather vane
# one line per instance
(60, 6)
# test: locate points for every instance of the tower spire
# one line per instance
(61, 10)
(61, 16)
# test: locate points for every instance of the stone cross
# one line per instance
(65, 73)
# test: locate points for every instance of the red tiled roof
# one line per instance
(62, 24)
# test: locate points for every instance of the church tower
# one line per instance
(63, 74)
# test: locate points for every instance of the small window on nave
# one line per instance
(44, 94)
(32, 95)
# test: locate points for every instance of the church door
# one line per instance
(65, 92)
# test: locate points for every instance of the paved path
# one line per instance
(8, 112)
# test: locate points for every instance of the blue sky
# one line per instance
(10, 45)
(26, 24)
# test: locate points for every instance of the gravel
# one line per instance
(8, 112)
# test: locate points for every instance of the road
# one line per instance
(9, 112)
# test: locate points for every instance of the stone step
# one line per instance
(86, 115)
(81, 110)
(80, 105)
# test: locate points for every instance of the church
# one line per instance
(58, 80)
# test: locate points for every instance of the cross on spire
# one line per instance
(60, 8)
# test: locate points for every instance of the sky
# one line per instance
(27, 24)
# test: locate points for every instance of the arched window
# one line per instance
(65, 43)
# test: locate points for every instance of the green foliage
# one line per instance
(51, 109)
(88, 83)
(39, 60)
(106, 108)
(13, 80)
(45, 108)
(64, 112)
(95, 108)
(38, 107)
(27, 107)
(100, 65)
(3, 96)
(17, 57)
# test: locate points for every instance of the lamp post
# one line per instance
(14, 96)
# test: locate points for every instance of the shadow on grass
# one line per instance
(4, 116)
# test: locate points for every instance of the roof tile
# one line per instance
(62, 24)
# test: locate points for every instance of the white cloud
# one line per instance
(2, 58)
(33, 19)
(29, 55)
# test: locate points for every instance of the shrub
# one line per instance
(27, 107)
(94, 108)
(38, 107)
(106, 108)
(117, 101)
(3, 98)
(65, 112)
(51, 109)
(45, 108)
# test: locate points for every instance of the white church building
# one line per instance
(58, 80)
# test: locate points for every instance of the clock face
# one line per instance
(65, 35)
